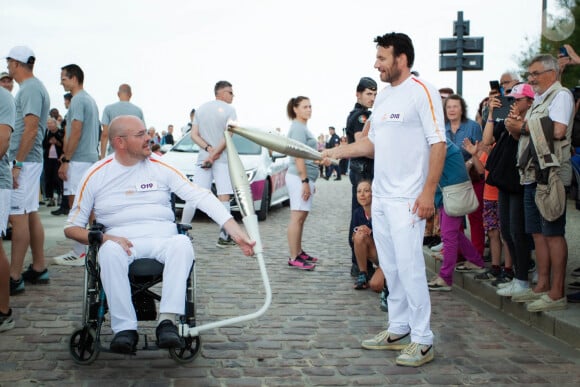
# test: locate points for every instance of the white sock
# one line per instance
(166, 316)
(79, 249)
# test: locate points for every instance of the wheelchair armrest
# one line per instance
(182, 228)
(96, 234)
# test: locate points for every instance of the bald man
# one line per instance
(117, 189)
(122, 108)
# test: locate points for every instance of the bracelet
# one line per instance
(17, 164)
(523, 130)
(207, 146)
(490, 120)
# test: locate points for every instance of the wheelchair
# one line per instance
(85, 343)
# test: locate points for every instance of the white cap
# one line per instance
(22, 54)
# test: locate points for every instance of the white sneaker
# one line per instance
(70, 259)
(437, 248)
(515, 289)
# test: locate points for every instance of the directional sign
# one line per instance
(449, 45)
(469, 62)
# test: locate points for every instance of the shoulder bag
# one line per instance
(459, 199)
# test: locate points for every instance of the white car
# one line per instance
(266, 171)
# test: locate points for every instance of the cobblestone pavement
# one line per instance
(310, 335)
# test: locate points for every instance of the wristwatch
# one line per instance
(523, 130)
(307, 180)
(64, 160)
(17, 164)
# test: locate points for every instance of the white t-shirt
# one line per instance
(135, 202)
(406, 120)
(212, 119)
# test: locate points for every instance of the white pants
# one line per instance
(398, 235)
(175, 252)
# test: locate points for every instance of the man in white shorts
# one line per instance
(130, 194)
(80, 149)
(407, 127)
(209, 124)
(7, 118)
(25, 152)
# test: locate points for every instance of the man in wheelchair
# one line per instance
(129, 192)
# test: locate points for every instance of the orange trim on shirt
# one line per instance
(172, 168)
(80, 195)
(430, 107)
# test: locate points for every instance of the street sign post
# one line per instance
(452, 51)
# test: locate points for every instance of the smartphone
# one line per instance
(563, 51)
(494, 85)
(502, 112)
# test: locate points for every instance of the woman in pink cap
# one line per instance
(503, 174)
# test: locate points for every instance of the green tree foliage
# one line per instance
(535, 46)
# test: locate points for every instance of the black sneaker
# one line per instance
(125, 342)
(35, 277)
(489, 275)
(16, 287)
(168, 336)
(503, 277)
(435, 240)
(60, 211)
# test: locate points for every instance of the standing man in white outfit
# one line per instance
(130, 194)
(209, 124)
(80, 148)
(407, 129)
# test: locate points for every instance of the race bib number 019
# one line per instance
(142, 187)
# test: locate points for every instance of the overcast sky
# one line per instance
(172, 52)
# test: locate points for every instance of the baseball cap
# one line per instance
(22, 54)
(522, 90)
(366, 83)
(4, 75)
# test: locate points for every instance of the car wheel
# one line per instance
(265, 206)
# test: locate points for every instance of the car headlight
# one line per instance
(251, 173)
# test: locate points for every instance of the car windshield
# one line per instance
(243, 145)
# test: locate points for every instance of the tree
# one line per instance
(536, 46)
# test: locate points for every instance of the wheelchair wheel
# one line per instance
(83, 346)
(189, 353)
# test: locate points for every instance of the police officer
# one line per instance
(360, 167)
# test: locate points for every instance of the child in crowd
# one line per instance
(491, 225)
